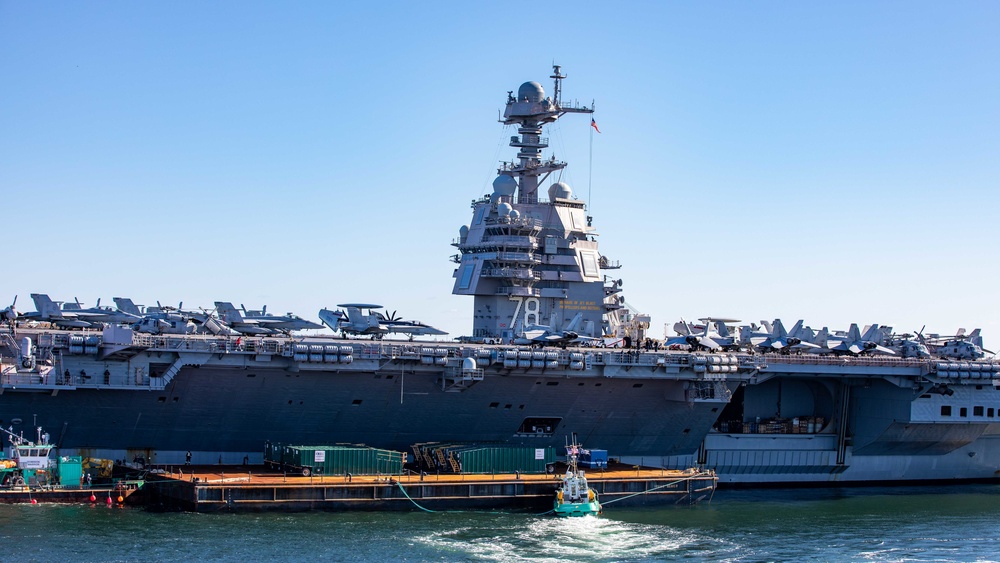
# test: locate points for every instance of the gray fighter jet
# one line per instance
(777, 339)
(856, 343)
(546, 335)
(715, 334)
(259, 322)
(75, 315)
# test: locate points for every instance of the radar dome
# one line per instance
(504, 209)
(469, 364)
(532, 91)
(560, 190)
(514, 214)
(504, 186)
(463, 231)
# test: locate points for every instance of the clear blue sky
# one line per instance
(837, 162)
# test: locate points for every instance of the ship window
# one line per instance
(977, 411)
(636, 385)
(176, 399)
(963, 412)
(494, 405)
(945, 410)
(581, 384)
(479, 216)
(925, 396)
(589, 264)
(989, 412)
(597, 384)
(467, 271)
(552, 383)
(507, 406)
(161, 399)
(356, 402)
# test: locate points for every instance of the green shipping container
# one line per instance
(504, 459)
(337, 460)
(70, 471)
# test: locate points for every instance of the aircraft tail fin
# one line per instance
(976, 337)
(44, 305)
(227, 312)
(796, 329)
(574, 324)
(871, 334)
(126, 305)
(331, 318)
(779, 329)
(854, 333)
(822, 338)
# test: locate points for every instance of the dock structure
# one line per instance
(242, 489)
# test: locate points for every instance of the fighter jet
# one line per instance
(543, 335)
(855, 343)
(777, 339)
(74, 315)
(715, 334)
(259, 322)
(355, 320)
(98, 314)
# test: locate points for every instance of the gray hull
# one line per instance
(232, 412)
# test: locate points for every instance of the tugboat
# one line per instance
(28, 461)
(30, 473)
(574, 497)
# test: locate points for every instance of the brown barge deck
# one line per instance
(248, 489)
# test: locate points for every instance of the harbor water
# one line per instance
(955, 523)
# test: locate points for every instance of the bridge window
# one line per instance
(977, 411)
(945, 410)
(963, 412)
(989, 412)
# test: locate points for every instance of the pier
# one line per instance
(242, 489)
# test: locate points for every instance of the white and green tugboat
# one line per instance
(575, 497)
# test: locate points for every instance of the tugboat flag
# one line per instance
(594, 125)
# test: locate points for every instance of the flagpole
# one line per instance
(590, 172)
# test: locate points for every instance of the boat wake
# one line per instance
(547, 539)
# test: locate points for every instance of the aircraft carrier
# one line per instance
(553, 351)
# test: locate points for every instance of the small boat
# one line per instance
(574, 497)
(30, 473)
